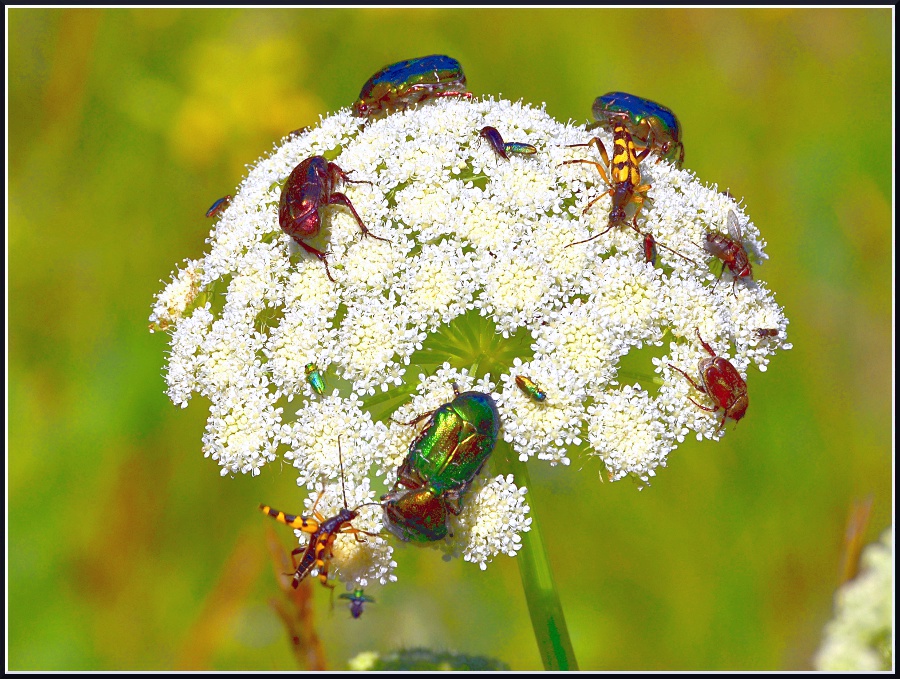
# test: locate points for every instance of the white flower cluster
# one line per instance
(859, 638)
(473, 241)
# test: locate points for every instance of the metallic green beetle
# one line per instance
(441, 463)
(530, 389)
(315, 378)
(650, 124)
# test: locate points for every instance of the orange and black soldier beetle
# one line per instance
(625, 186)
(318, 551)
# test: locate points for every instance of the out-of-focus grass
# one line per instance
(124, 125)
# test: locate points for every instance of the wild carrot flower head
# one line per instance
(475, 286)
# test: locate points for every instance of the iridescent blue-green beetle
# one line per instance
(650, 124)
(441, 463)
(530, 389)
(315, 379)
(399, 86)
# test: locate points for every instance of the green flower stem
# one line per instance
(547, 617)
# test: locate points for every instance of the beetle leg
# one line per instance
(406, 476)
(355, 532)
(698, 387)
(333, 169)
(709, 410)
(415, 421)
(317, 253)
(341, 199)
(705, 345)
(639, 199)
(600, 168)
(312, 510)
(600, 147)
(346, 179)
(591, 204)
(426, 89)
(464, 95)
(453, 499)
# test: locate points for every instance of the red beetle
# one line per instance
(722, 383)
(730, 250)
(310, 187)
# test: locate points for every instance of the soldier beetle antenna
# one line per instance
(341, 463)
(344, 490)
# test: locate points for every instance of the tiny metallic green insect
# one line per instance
(315, 379)
(530, 389)
(502, 148)
(519, 147)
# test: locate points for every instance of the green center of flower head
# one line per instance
(488, 279)
(468, 343)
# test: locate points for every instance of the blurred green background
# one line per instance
(127, 550)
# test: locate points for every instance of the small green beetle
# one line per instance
(315, 378)
(530, 389)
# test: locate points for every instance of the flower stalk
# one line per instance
(550, 630)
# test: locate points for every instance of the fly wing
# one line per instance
(734, 227)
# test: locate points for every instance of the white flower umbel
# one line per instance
(491, 523)
(478, 282)
(859, 638)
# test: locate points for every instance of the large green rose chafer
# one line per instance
(442, 461)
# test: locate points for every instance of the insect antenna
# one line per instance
(341, 462)
(343, 489)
